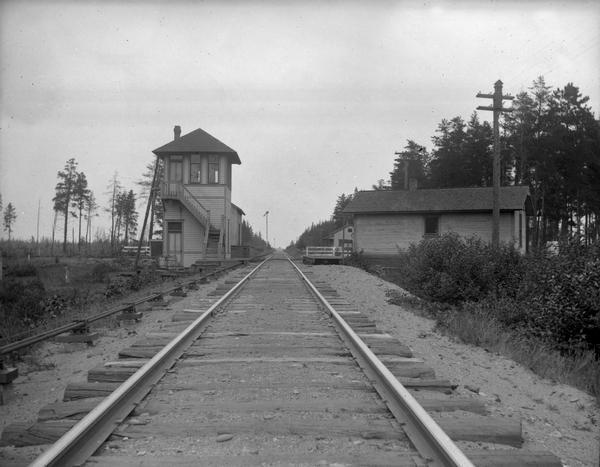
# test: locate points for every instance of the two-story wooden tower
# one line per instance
(200, 221)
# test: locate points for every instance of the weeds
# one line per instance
(480, 326)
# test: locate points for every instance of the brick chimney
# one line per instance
(177, 131)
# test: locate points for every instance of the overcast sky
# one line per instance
(314, 96)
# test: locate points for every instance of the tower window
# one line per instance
(195, 169)
(213, 169)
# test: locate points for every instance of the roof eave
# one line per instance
(235, 159)
(446, 211)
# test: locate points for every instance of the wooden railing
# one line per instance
(328, 251)
(221, 234)
(178, 191)
(132, 250)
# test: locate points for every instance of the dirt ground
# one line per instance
(556, 417)
(46, 371)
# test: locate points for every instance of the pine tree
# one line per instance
(338, 217)
(448, 163)
(90, 209)
(80, 199)
(10, 216)
(413, 158)
(114, 188)
(129, 214)
(64, 193)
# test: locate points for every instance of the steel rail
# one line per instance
(81, 441)
(81, 323)
(427, 436)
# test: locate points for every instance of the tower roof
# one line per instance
(197, 141)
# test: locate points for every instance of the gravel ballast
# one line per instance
(556, 417)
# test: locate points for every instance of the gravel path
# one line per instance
(556, 417)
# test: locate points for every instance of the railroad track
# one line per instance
(276, 370)
(84, 323)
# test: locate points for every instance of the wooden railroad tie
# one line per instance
(79, 334)
(178, 292)
(130, 314)
(7, 376)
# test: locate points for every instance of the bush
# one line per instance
(564, 307)
(22, 270)
(553, 298)
(20, 302)
(453, 270)
(101, 271)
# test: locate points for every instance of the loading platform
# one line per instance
(325, 254)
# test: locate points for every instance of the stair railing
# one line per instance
(221, 234)
(206, 233)
(178, 191)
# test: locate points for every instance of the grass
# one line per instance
(93, 286)
(580, 369)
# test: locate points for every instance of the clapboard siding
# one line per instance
(193, 231)
(214, 198)
(389, 234)
(235, 227)
(383, 234)
(193, 239)
(478, 225)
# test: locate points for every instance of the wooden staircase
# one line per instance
(213, 240)
(213, 250)
(178, 191)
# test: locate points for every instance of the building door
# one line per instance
(175, 241)
(176, 169)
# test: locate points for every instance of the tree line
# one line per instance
(550, 142)
(75, 200)
(251, 238)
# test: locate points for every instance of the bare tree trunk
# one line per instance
(79, 233)
(53, 231)
(66, 226)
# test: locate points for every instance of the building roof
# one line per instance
(438, 200)
(197, 141)
(332, 234)
(238, 209)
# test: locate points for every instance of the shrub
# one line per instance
(564, 307)
(453, 270)
(101, 271)
(22, 270)
(552, 298)
(20, 302)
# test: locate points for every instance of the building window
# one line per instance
(195, 169)
(173, 227)
(176, 169)
(432, 226)
(213, 169)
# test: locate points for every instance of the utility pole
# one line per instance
(37, 237)
(497, 109)
(266, 216)
(148, 207)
